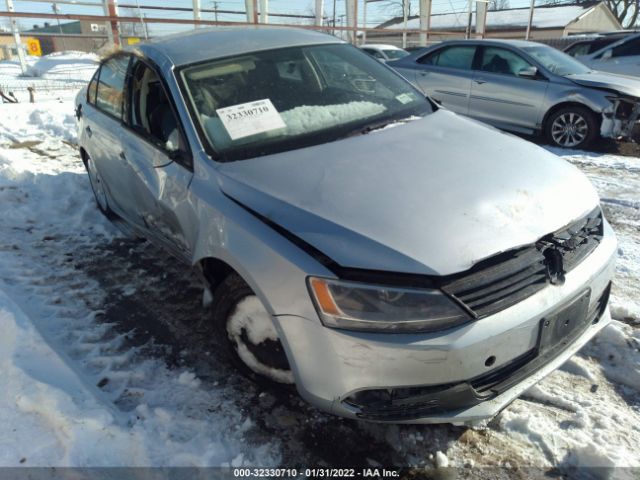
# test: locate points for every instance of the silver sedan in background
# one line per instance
(526, 87)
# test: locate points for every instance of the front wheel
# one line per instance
(571, 127)
(248, 333)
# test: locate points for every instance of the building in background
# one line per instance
(549, 22)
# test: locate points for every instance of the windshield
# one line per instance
(394, 54)
(556, 61)
(267, 102)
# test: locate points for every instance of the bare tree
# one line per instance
(395, 7)
(626, 11)
(498, 5)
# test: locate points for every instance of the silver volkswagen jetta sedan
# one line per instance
(395, 261)
(526, 87)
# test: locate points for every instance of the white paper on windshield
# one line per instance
(404, 98)
(246, 119)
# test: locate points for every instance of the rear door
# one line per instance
(159, 163)
(445, 75)
(102, 123)
(500, 96)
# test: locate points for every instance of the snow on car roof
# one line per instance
(209, 43)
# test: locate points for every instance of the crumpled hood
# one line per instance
(433, 196)
(612, 81)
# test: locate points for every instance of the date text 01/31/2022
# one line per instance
(316, 473)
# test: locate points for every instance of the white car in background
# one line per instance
(622, 57)
(385, 53)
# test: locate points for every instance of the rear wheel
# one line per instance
(97, 185)
(571, 127)
(248, 333)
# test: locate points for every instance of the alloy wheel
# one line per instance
(569, 129)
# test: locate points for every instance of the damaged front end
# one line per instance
(619, 119)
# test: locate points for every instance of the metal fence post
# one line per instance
(16, 38)
(319, 12)
(425, 21)
(196, 12)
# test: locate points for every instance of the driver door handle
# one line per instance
(123, 156)
(479, 81)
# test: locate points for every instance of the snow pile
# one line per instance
(78, 66)
(69, 393)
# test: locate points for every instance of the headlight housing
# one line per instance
(360, 306)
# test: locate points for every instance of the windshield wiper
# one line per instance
(372, 127)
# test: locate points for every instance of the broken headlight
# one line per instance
(360, 306)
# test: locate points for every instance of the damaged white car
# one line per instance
(394, 260)
(526, 87)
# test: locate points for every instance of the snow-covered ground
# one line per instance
(57, 75)
(107, 357)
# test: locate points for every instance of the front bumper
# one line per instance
(331, 366)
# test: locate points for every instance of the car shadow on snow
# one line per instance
(156, 303)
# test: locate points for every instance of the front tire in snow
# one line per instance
(248, 333)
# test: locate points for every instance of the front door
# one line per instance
(159, 162)
(500, 96)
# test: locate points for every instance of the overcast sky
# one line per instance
(376, 12)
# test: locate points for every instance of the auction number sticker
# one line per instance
(250, 118)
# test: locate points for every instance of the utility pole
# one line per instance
(467, 33)
(364, 22)
(16, 38)
(54, 6)
(530, 22)
(111, 10)
(405, 19)
(196, 12)
(334, 18)
(215, 11)
(144, 25)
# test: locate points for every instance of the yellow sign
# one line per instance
(33, 47)
(132, 40)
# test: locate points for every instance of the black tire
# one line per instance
(572, 127)
(97, 187)
(269, 353)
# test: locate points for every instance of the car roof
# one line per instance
(492, 41)
(210, 43)
(380, 46)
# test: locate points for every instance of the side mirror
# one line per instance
(606, 55)
(529, 72)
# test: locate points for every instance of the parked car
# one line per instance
(385, 53)
(429, 272)
(591, 44)
(526, 87)
(622, 57)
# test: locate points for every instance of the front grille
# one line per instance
(506, 279)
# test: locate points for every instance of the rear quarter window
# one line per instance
(460, 57)
(110, 92)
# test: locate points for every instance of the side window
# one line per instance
(499, 60)
(627, 49)
(460, 57)
(150, 112)
(578, 49)
(92, 89)
(111, 85)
